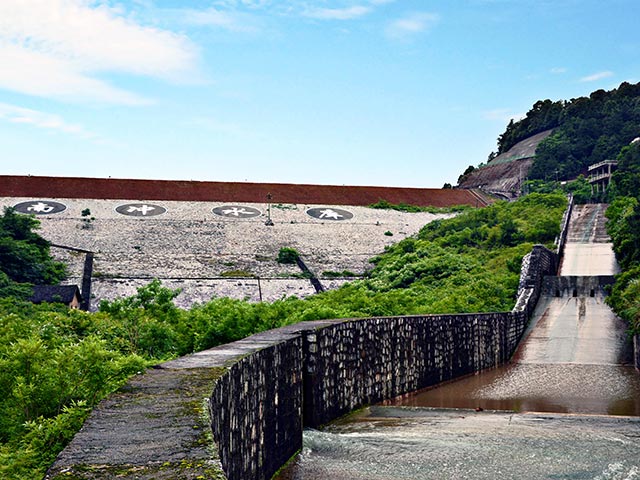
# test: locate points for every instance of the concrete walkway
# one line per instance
(579, 327)
(588, 250)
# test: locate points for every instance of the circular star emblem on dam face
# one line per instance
(329, 213)
(237, 211)
(140, 210)
(40, 207)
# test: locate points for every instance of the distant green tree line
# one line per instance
(587, 130)
(624, 228)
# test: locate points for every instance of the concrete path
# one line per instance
(579, 330)
(579, 327)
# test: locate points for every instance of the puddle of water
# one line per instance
(561, 388)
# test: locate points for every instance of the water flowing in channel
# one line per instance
(512, 422)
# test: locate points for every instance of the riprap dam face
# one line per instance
(214, 248)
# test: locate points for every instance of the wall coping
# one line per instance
(189, 190)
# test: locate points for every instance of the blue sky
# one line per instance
(365, 92)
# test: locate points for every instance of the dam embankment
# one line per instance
(267, 387)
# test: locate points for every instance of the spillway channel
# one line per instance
(567, 406)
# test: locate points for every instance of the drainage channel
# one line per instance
(568, 406)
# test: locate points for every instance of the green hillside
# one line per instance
(586, 130)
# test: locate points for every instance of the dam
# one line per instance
(262, 391)
(566, 406)
(211, 239)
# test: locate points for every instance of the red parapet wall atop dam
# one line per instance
(182, 190)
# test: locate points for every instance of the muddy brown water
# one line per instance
(566, 388)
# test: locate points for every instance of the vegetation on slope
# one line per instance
(624, 228)
(25, 259)
(587, 130)
(55, 363)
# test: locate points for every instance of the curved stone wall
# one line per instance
(308, 374)
(329, 368)
(326, 369)
(264, 389)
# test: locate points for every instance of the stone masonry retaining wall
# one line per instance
(265, 388)
(360, 362)
(564, 229)
(321, 370)
(256, 411)
(326, 369)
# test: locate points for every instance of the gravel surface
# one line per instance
(207, 255)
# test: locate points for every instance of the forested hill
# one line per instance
(586, 130)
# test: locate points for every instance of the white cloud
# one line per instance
(597, 76)
(212, 17)
(39, 74)
(338, 13)
(20, 115)
(558, 70)
(68, 42)
(239, 15)
(412, 25)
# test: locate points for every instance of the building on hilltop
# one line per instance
(600, 175)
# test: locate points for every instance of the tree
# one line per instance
(148, 319)
(466, 173)
(586, 130)
(626, 179)
(288, 255)
(25, 256)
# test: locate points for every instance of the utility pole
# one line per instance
(269, 222)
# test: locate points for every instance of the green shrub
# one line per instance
(237, 274)
(288, 255)
(342, 274)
